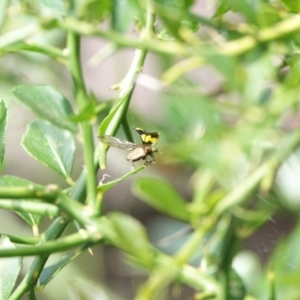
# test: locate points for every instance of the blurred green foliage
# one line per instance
(228, 115)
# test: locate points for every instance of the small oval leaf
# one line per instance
(160, 195)
(52, 146)
(10, 268)
(48, 103)
(131, 236)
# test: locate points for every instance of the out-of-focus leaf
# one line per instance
(10, 268)
(3, 10)
(54, 7)
(175, 15)
(52, 270)
(292, 5)
(247, 8)
(221, 9)
(131, 236)
(95, 10)
(173, 3)
(48, 103)
(285, 264)
(267, 15)
(3, 125)
(255, 77)
(198, 115)
(124, 13)
(85, 288)
(233, 74)
(237, 289)
(11, 181)
(160, 195)
(52, 146)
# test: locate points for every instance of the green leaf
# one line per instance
(48, 103)
(95, 10)
(286, 257)
(292, 5)
(55, 7)
(3, 125)
(112, 121)
(232, 73)
(84, 287)
(3, 10)
(131, 236)
(52, 146)
(10, 268)
(247, 8)
(110, 125)
(124, 13)
(52, 270)
(89, 112)
(237, 289)
(11, 181)
(160, 195)
(285, 264)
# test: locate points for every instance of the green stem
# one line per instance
(86, 29)
(19, 35)
(245, 188)
(53, 232)
(25, 240)
(62, 244)
(235, 47)
(30, 207)
(29, 281)
(191, 246)
(82, 101)
(136, 66)
(118, 113)
(50, 51)
(31, 294)
(48, 193)
(231, 48)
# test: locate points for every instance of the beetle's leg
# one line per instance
(153, 161)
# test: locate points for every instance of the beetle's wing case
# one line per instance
(138, 153)
(117, 143)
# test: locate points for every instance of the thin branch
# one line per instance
(32, 207)
(82, 101)
(239, 194)
(68, 242)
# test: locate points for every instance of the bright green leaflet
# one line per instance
(52, 146)
(10, 268)
(48, 103)
(161, 195)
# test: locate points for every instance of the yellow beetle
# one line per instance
(137, 151)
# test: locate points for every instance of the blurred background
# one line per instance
(222, 117)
